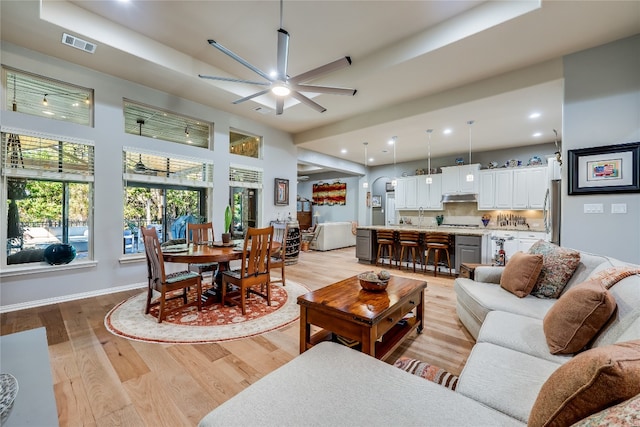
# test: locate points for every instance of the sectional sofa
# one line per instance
(333, 235)
(510, 378)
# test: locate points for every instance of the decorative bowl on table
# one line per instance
(8, 393)
(370, 281)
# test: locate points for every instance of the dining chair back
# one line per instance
(164, 283)
(254, 269)
(199, 234)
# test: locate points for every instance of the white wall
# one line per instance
(347, 212)
(602, 107)
(279, 160)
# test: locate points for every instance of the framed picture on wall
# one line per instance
(607, 169)
(281, 193)
(376, 201)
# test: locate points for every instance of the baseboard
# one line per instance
(72, 297)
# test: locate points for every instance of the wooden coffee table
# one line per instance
(375, 319)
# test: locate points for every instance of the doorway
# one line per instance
(244, 210)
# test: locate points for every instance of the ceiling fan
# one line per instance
(281, 84)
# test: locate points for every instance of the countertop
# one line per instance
(463, 231)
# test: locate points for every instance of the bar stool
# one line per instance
(411, 241)
(438, 242)
(385, 239)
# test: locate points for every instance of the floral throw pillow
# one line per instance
(558, 265)
(625, 414)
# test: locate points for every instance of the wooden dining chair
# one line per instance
(278, 258)
(253, 271)
(164, 283)
(201, 234)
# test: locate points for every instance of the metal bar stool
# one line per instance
(411, 241)
(438, 242)
(385, 239)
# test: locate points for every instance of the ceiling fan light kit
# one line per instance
(281, 84)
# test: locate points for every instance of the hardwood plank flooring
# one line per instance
(104, 380)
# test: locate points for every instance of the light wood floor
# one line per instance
(103, 380)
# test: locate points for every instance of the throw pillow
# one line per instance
(626, 414)
(428, 372)
(558, 265)
(588, 383)
(521, 273)
(613, 275)
(577, 317)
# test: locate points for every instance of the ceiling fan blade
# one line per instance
(327, 68)
(255, 95)
(279, 105)
(300, 97)
(230, 79)
(239, 59)
(325, 89)
(283, 54)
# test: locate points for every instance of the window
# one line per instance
(163, 191)
(152, 122)
(49, 194)
(39, 96)
(243, 144)
(245, 191)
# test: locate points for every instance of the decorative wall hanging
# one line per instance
(330, 194)
(281, 196)
(607, 169)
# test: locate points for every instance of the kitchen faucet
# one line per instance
(420, 215)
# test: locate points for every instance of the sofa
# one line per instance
(510, 377)
(333, 235)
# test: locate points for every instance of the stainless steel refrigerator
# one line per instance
(551, 211)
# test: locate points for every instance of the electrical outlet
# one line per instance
(618, 208)
(593, 208)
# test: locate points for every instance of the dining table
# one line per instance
(209, 252)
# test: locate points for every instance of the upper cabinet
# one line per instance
(412, 192)
(454, 179)
(529, 188)
(512, 188)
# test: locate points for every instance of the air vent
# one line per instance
(263, 110)
(74, 41)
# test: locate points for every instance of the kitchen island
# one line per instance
(467, 244)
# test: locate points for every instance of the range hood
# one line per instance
(459, 198)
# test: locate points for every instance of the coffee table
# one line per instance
(375, 319)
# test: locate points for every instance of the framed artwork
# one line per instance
(281, 193)
(376, 201)
(607, 169)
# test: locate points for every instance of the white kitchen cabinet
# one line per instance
(495, 189)
(526, 239)
(429, 195)
(486, 189)
(406, 193)
(516, 240)
(454, 179)
(529, 188)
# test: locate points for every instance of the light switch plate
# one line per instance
(618, 208)
(593, 208)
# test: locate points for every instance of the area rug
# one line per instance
(215, 323)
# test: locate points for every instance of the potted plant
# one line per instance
(226, 236)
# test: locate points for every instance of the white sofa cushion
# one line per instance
(333, 235)
(333, 385)
(519, 333)
(504, 379)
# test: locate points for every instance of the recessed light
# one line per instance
(371, 159)
(447, 131)
(534, 115)
(537, 134)
(49, 113)
(343, 151)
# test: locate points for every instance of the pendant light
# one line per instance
(394, 181)
(470, 176)
(365, 184)
(429, 180)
